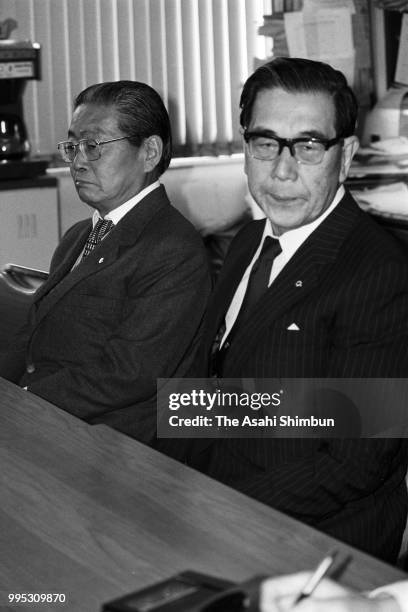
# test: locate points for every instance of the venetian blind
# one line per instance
(195, 53)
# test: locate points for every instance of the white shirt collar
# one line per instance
(291, 240)
(116, 214)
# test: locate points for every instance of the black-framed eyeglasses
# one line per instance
(89, 147)
(307, 150)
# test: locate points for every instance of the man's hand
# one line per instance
(279, 594)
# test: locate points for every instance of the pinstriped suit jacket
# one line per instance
(352, 314)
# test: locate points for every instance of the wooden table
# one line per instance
(93, 514)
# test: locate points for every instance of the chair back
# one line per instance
(17, 287)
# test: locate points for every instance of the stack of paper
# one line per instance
(391, 150)
(390, 200)
(323, 31)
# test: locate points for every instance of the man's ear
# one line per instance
(350, 146)
(153, 149)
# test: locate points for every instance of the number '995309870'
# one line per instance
(37, 598)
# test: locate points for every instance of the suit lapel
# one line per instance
(303, 273)
(71, 254)
(123, 235)
(238, 258)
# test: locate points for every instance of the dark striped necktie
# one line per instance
(259, 278)
(102, 227)
(258, 283)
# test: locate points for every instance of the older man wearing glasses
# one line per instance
(317, 290)
(127, 290)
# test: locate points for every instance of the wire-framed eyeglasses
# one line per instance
(267, 147)
(89, 147)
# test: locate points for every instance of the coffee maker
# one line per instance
(19, 62)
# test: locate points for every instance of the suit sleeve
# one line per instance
(12, 356)
(335, 474)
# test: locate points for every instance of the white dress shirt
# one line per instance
(290, 241)
(116, 214)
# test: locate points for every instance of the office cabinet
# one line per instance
(29, 222)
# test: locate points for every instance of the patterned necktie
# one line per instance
(258, 283)
(102, 227)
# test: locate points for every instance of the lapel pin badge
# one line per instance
(298, 283)
(101, 260)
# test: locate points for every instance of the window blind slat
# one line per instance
(158, 47)
(61, 92)
(175, 76)
(76, 49)
(93, 48)
(192, 72)
(126, 42)
(238, 58)
(222, 70)
(207, 71)
(108, 40)
(141, 26)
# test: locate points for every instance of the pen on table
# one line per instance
(319, 573)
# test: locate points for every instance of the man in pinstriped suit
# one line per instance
(335, 305)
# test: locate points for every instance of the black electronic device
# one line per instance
(19, 62)
(190, 592)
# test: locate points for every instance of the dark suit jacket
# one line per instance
(352, 314)
(101, 334)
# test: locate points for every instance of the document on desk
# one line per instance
(390, 200)
(316, 5)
